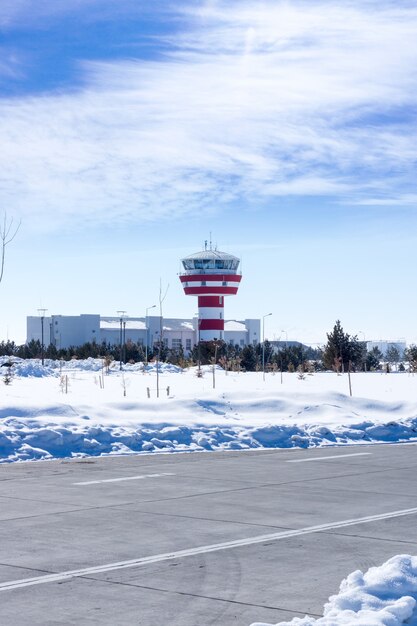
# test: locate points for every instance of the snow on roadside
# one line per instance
(383, 596)
(112, 414)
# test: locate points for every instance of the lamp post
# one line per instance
(146, 329)
(42, 314)
(364, 345)
(216, 345)
(122, 315)
(199, 349)
(124, 339)
(286, 337)
(263, 344)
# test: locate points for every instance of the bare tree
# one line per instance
(8, 231)
(161, 333)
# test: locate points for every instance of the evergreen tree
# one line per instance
(33, 349)
(266, 352)
(7, 348)
(134, 352)
(248, 358)
(51, 352)
(176, 356)
(290, 358)
(205, 351)
(392, 354)
(410, 355)
(373, 359)
(342, 350)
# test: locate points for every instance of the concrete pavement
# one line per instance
(151, 540)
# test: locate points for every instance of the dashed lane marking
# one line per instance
(122, 478)
(324, 458)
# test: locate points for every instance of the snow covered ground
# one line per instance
(46, 413)
(383, 596)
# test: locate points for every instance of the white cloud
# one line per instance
(284, 98)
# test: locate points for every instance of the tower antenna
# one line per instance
(210, 241)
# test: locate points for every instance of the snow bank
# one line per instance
(36, 434)
(90, 413)
(383, 596)
(34, 367)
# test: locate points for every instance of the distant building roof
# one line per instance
(115, 324)
(179, 326)
(232, 325)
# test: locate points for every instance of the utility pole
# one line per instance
(42, 314)
(122, 315)
(263, 344)
(216, 345)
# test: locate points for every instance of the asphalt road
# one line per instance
(198, 539)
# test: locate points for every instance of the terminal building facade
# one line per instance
(64, 331)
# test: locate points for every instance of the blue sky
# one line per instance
(132, 130)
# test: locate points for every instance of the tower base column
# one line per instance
(210, 318)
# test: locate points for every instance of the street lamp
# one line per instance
(199, 348)
(286, 337)
(147, 330)
(42, 314)
(263, 344)
(122, 315)
(216, 345)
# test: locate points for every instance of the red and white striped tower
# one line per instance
(210, 275)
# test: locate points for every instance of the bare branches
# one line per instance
(8, 231)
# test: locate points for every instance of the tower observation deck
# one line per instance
(210, 275)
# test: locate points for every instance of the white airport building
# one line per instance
(64, 331)
(385, 344)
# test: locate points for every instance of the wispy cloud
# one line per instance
(288, 98)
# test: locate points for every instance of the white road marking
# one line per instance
(324, 458)
(119, 480)
(180, 554)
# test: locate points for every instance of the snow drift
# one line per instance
(383, 596)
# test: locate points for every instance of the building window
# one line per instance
(203, 283)
(188, 344)
(176, 344)
(224, 283)
(242, 342)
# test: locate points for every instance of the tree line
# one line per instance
(232, 357)
(342, 352)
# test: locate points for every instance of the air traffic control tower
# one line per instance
(210, 275)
